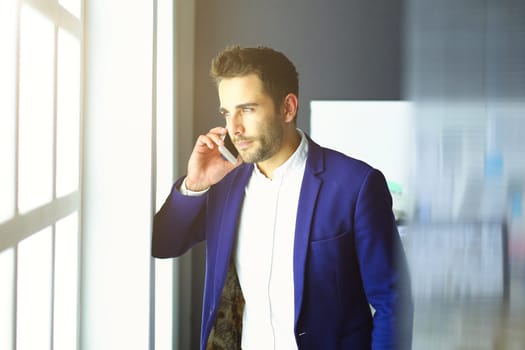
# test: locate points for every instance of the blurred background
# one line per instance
(100, 103)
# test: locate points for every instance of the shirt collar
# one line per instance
(296, 160)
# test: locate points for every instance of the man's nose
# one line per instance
(236, 124)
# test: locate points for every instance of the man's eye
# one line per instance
(247, 109)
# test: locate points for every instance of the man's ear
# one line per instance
(289, 107)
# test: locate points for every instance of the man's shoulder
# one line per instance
(337, 157)
(336, 161)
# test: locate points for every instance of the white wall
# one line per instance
(117, 172)
(380, 133)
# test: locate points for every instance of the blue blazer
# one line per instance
(347, 252)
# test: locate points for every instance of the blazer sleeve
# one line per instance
(179, 224)
(383, 266)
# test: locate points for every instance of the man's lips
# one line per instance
(242, 143)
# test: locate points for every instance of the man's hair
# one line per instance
(276, 71)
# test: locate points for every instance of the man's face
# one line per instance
(251, 118)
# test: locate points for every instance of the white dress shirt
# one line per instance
(263, 252)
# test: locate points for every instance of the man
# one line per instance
(300, 240)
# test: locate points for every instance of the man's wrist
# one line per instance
(186, 189)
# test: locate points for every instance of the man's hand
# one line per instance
(206, 166)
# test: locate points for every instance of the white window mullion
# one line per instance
(52, 288)
(55, 118)
(17, 114)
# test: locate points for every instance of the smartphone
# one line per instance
(228, 151)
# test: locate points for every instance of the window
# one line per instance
(86, 159)
(40, 105)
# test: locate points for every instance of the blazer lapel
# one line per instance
(305, 213)
(228, 226)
